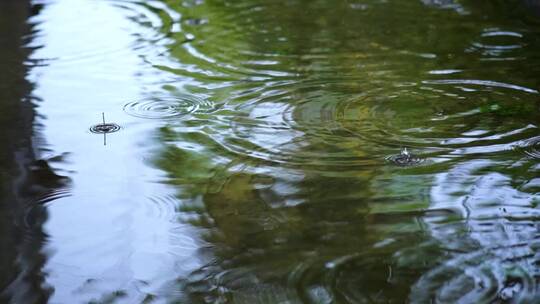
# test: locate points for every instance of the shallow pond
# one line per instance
(250, 151)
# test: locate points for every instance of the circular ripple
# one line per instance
(105, 128)
(494, 42)
(164, 206)
(313, 123)
(167, 107)
(405, 159)
(480, 277)
(34, 212)
(303, 113)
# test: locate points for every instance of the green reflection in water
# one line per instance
(279, 235)
(286, 176)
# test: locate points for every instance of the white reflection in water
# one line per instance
(492, 249)
(110, 238)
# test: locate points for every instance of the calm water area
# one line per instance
(269, 151)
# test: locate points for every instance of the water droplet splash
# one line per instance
(405, 158)
(104, 128)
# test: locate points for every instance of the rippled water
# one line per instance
(293, 151)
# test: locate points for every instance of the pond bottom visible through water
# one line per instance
(269, 152)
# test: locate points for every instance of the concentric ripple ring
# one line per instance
(405, 160)
(167, 107)
(103, 128)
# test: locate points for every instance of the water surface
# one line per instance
(254, 159)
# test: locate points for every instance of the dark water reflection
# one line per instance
(28, 180)
(253, 161)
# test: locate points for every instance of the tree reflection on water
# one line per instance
(27, 183)
(286, 178)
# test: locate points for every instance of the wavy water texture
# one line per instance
(501, 238)
(167, 107)
(300, 162)
(290, 107)
(324, 151)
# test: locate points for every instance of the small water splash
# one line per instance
(405, 158)
(168, 107)
(104, 127)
